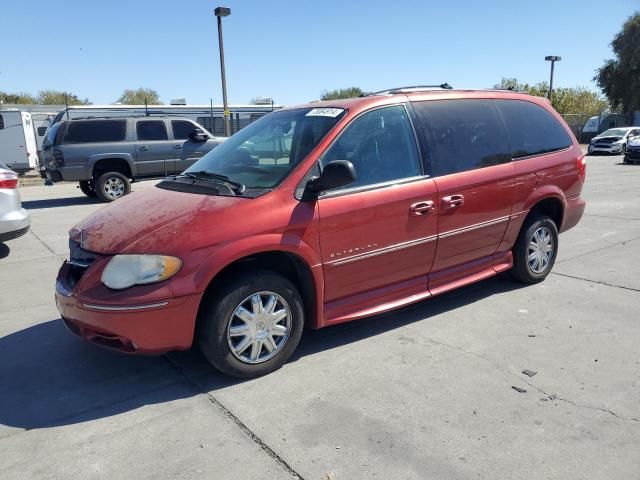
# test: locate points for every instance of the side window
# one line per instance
(95, 131)
(532, 130)
(381, 146)
(465, 135)
(182, 129)
(150, 130)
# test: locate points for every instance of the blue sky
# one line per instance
(293, 50)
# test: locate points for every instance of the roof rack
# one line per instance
(126, 115)
(412, 88)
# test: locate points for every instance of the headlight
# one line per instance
(124, 271)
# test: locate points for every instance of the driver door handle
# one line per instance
(453, 201)
(178, 147)
(144, 148)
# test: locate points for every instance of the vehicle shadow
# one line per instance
(48, 377)
(4, 250)
(58, 202)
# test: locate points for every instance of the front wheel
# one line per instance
(112, 185)
(252, 325)
(535, 250)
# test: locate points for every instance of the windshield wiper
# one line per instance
(211, 176)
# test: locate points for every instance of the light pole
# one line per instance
(219, 13)
(553, 59)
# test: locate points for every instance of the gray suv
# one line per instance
(106, 154)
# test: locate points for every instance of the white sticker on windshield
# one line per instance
(325, 112)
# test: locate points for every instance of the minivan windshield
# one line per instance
(262, 154)
(613, 132)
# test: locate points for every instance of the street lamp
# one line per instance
(219, 13)
(553, 59)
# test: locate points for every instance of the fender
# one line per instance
(209, 265)
(127, 157)
(518, 217)
(542, 193)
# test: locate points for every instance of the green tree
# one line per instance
(22, 98)
(341, 93)
(619, 78)
(138, 96)
(56, 97)
(564, 100)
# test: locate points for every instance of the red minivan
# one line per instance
(325, 213)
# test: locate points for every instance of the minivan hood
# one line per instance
(117, 227)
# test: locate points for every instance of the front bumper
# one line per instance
(605, 148)
(139, 327)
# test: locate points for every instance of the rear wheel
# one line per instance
(87, 187)
(112, 185)
(535, 250)
(252, 325)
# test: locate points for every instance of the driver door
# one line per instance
(378, 234)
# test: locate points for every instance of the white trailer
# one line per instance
(18, 146)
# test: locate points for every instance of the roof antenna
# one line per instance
(66, 104)
(146, 108)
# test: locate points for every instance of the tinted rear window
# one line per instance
(532, 130)
(463, 135)
(95, 131)
(151, 130)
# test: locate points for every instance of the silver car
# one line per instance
(14, 220)
(613, 140)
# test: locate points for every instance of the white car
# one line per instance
(613, 140)
(14, 220)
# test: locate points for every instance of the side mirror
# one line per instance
(198, 135)
(336, 173)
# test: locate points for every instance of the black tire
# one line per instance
(522, 270)
(104, 183)
(216, 316)
(87, 187)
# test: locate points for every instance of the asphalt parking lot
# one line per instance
(425, 392)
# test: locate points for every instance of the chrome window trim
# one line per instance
(536, 155)
(373, 186)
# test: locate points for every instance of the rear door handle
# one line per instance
(453, 201)
(422, 208)
(144, 148)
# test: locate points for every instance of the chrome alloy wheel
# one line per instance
(114, 187)
(540, 250)
(259, 327)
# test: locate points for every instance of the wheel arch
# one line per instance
(550, 206)
(291, 265)
(111, 163)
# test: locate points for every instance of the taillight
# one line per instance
(8, 180)
(582, 167)
(58, 158)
